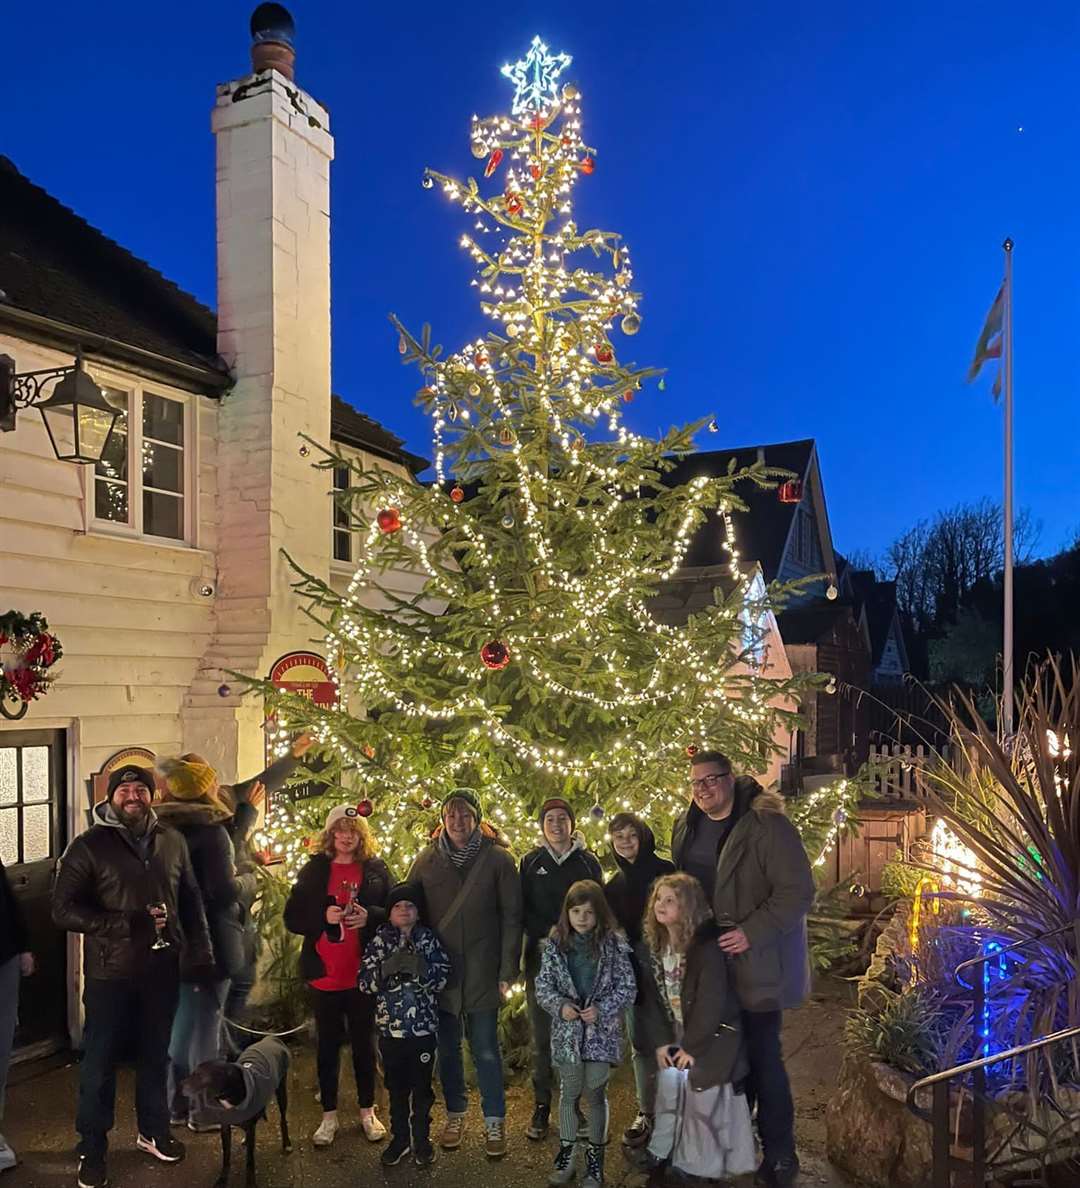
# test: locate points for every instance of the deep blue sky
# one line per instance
(815, 195)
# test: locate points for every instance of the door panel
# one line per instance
(33, 802)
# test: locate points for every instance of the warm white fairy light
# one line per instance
(524, 409)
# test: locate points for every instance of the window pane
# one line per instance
(35, 774)
(9, 780)
(9, 836)
(162, 467)
(114, 461)
(36, 833)
(163, 515)
(111, 501)
(162, 419)
(342, 546)
(341, 478)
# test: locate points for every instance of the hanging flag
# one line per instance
(989, 344)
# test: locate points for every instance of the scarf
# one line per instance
(461, 858)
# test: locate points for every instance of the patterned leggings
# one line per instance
(588, 1080)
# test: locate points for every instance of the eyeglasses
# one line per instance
(709, 781)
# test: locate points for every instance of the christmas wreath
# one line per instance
(27, 652)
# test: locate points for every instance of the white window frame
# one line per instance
(136, 389)
(356, 461)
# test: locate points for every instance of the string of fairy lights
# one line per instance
(520, 410)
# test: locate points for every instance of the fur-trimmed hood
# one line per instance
(184, 813)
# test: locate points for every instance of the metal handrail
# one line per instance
(960, 1070)
(971, 962)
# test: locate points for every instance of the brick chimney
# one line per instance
(274, 150)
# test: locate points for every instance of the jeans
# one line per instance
(408, 1063)
(196, 1036)
(9, 1017)
(482, 1030)
(116, 1010)
(644, 1063)
(588, 1080)
(768, 1084)
(540, 1029)
(337, 1013)
(233, 1042)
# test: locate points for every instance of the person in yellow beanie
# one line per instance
(198, 806)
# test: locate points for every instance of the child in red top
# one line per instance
(340, 900)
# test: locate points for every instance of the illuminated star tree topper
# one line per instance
(534, 78)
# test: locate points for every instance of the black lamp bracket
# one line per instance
(24, 389)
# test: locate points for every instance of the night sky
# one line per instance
(815, 196)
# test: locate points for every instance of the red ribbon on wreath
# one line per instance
(33, 651)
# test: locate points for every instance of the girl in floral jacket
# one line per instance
(586, 982)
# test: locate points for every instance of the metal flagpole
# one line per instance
(1007, 642)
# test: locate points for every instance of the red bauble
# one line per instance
(495, 654)
(627, 396)
(364, 808)
(566, 140)
(692, 750)
(535, 170)
(389, 520)
(369, 751)
(494, 161)
(426, 802)
(604, 353)
(587, 165)
(513, 204)
(480, 359)
(457, 494)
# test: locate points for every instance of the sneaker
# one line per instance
(178, 1119)
(203, 1127)
(374, 1130)
(563, 1170)
(423, 1153)
(495, 1137)
(326, 1133)
(92, 1172)
(541, 1121)
(7, 1155)
(638, 1133)
(165, 1148)
(450, 1139)
(396, 1151)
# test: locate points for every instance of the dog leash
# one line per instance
(267, 1034)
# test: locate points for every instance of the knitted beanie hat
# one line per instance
(130, 775)
(466, 794)
(557, 802)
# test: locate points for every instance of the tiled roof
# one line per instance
(55, 265)
(349, 425)
(762, 530)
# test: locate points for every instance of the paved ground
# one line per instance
(41, 1106)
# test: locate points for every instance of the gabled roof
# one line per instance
(54, 265)
(877, 601)
(352, 427)
(59, 276)
(762, 531)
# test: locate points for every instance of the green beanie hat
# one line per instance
(466, 794)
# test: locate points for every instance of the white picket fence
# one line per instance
(898, 781)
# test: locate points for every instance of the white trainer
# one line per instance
(326, 1133)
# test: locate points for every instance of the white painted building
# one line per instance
(162, 567)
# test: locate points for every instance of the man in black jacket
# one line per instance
(108, 880)
(547, 873)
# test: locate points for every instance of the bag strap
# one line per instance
(463, 890)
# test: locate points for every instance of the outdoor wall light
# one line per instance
(77, 416)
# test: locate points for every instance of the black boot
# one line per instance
(541, 1120)
(594, 1166)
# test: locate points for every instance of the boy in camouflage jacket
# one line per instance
(406, 967)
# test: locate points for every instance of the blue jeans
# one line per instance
(9, 1016)
(481, 1028)
(196, 1036)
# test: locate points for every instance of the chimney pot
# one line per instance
(272, 32)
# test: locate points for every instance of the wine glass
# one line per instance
(159, 913)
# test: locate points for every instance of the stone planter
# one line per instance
(870, 1132)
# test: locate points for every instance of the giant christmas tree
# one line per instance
(530, 663)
